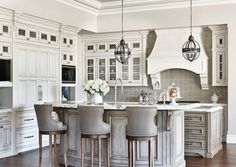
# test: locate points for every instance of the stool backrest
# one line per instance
(43, 113)
(141, 121)
(91, 120)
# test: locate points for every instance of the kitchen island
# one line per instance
(169, 146)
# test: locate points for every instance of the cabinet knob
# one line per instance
(27, 39)
(1, 34)
(1, 127)
(49, 42)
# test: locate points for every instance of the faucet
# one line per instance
(156, 88)
(121, 85)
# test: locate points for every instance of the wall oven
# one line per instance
(68, 74)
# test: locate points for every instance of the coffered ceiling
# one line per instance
(103, 7)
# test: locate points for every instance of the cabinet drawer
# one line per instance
(4, 118)
(26, 136)
(195, 118)
(199, 132)
(195, 144)
(25, 119)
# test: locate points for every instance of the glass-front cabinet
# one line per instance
(108, 69)
(100, 61)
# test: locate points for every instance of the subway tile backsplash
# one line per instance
(188, 82)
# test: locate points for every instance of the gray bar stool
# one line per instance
(49, 126)
(141, 127)
(94, 128)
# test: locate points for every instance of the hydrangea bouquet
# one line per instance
(97, 86)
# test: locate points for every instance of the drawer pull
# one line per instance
(188, 131)
(31, 119)
(189, 144)
(28, 137)
(188, 118)
(1, 127)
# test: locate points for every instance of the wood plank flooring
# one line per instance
(225, 158)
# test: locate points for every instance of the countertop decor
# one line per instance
(96, 89)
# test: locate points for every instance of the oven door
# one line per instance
(69, 74)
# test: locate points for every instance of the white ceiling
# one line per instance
(103, 7)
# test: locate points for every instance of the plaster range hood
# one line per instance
(167, 54)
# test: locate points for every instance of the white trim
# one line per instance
(113, 7)
(231, 139)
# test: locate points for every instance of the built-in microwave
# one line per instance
(68, 74)
(5, 70)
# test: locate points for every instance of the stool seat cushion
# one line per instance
(46, 121)
(91, 120)
(141, 122)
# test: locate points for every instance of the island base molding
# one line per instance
(168, 147)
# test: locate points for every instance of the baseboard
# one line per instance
(231, 139)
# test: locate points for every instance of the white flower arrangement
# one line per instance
(97, 86)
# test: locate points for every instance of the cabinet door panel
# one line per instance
(43, 64)
(32, 95)
(5, 137)
(53, 64)
(52, 91)
(22, 96)
(22, 62)
(32, 62)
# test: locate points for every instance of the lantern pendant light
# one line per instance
(191, 48)
(122, 52)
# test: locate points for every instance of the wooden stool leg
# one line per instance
(55, 150)
(130, 152)
(91, 151)
(133, 153)
(40, 148)
(50, 150)
(150, 153)
(99, 152)
(108, 151)
(82, 151)
(65, 149)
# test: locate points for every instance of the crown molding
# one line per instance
(114, 7)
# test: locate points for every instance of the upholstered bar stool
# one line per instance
(93, 128)
(49, 126)
(141, 127)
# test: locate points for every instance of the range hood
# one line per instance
(167, 54)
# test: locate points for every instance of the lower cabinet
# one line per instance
(5, 134)
(203, 133)
(27, 131)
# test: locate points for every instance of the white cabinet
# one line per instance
(5, 50)
(36, 35)
(5, 132)
(68, 58)
(68, 41)
(5, 136)
(100, 61)
(219, 55)
(5, 29)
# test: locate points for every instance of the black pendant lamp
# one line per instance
(122, 52)
(191, 48)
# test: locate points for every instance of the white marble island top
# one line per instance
(201, 107)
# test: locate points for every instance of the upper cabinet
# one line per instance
(37, 35)
(101, 63)
(5, 29)
(219, 55)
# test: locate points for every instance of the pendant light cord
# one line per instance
(122, 18)
(191, 20)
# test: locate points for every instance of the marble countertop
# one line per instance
(200, 107)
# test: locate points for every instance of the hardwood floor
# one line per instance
(225, 158)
